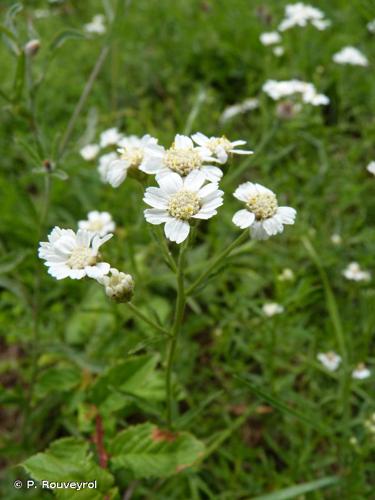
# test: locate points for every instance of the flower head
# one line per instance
(300, 14)
(336, 239)
(371, 167)
(361, 372)
(96, 25)
(132, 155)
(179, 200)
(262, 214)
(272, 308)
(270, 38)
(286, 275)
(182, 158)
(110, 137)
(90, 151)
(118, 285)
(329, 360)
(220, 147)
(350, 55)
(280, 89)
(73, 255)
(98, 222)
(354, 272)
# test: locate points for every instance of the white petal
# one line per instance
(245, 191)
(183, 142)
(59, 271)
(242, 151)
(77, 274)
(213, 174)
(257, 231)
(176, 230)
(208, 190)
(170, 183)
(273, 226)
(243, 218)
(156, 216)
(205, 214)
(155, 197)
(286, 215)
(199, 138)
(194, 181)
(97, 271)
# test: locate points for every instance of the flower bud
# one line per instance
(118, 286)
(32, 47)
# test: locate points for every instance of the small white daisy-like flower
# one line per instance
(329, 360)
(286, 275)
(96, 25)
(98, 222)
(220, 147)
(132, 154)
(104, 163)
(371, 167)
(361, 372)
(90, 152)
(270, 38)
(181, 158)
(278, 51)
(118, 285)
(180, 200)
(237, 109)
(110, 137)
(73, 255)
(350, 55)
(272, 308)
(336, 239)
(281, 89)
(354, 272)
(262, 214)
(300, 14)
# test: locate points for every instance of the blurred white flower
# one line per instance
(98, 222)
(336, 239)
(42, 13)
(270, 38)
(278, 51)
(73, 255)
(371, 167)
(104, 162)
(110, 137)
(354, 272)
(220, 147)
(286, 275)
(181, 158)
(32, 47)
(371, 26)
(272, 308)
(96, 25)
(280, 89)
(179, 199)
(350, 55)
(361, 372)
(300, 14)
(132, 154)
(329, 360)
(118, 285)
(262, 214)
(90, 151)
(237, 109)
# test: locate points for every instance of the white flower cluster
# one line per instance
(350, 55)
(300, 14)
(281, 89)
(354, 272)
(270, 38)
(331, 361)
(96, 25)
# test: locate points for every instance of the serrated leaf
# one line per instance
(69, 459)
(152, 452)
(63, 36)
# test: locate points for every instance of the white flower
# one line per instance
(354, 272)
(361, 372)
(104, 163)
(280, 89)
(350, 55)
(371, 26)
(336, 239)
(271, 309)
(179, 200)
(237, 109)
(220, 147)
(132, 154)
(181, 158)
(73, 255)
(270, 38)
(98, 222)
(118, 286)
(110, 137)
(286, 275)
(371, 167)
(262, 214)
(97, 25)
(278, 51)
(300, 14)
(32, 47)
(90, 151)
(329, 360)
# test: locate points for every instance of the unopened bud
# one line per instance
(118, 285)
(32, 47)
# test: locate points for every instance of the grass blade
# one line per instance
(300, 489)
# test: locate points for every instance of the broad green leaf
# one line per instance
(69, 459)
(300, 489)
(58, 379)
(152, 452)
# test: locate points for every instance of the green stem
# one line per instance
(147, 320)
(237, 242)
(179, 313)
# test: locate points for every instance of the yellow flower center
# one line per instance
(134, 156)
(263, 205)
(81, 257)
(182, 161)
(221, 142)
(95, 225)
(183, 205)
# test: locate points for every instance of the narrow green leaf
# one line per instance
(63, 36)
(12, 260)
(300, 489)
(19, 78)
